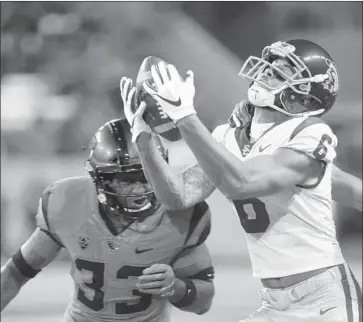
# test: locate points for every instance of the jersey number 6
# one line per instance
(258, 224)
(98, 272)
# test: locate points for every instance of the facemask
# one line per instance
(261, 97)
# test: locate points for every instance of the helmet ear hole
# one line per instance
(305, 100)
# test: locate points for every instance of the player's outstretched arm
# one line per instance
(346, 189)
(255, 177)
(34, 255)
(175, 190)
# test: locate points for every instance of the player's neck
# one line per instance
(263, 119)
(119, 222)
(267, 115)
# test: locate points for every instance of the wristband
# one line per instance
(23, 267)
(189, 296)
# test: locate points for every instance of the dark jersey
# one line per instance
(105, 266)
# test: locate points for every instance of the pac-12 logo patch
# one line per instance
(332, 82)
(83, 241)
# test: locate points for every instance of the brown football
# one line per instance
(154, 115)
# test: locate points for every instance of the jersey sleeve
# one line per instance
(199, 226)
(46, 218)
(314, 138)
(195, 263)
(194, 257)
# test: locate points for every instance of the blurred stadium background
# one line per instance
(61, 63)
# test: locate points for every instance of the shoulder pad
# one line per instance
(220, 132)
(54, 199)
(315, 138)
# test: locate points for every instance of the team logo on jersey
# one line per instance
(246, 149)
(83, 241)
(113, 245)
(331, 84)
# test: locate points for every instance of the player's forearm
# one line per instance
(223, 168)
(179, 291)
(346, 189)
(167, 183)
(201, 303)
(11, 283)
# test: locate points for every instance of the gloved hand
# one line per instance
(241, 115)
(135, 119)
(175, 96)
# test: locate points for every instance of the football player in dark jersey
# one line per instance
(131, 257)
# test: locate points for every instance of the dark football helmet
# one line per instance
(113, 156)
(314, 84)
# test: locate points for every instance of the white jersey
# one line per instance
(292, 231)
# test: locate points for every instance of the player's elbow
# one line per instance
(206, 307)
(176, 204)
(204, 310)
(208, 300)
(232, 186)
(254, 187)
(180, 202)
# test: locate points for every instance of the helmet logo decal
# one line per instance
(305, 87)
(331, 84)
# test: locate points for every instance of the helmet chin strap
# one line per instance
(137, 212)
(261, 97)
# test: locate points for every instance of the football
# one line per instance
(154, 115)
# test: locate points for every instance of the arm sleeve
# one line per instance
(315, 139)
(36, 253)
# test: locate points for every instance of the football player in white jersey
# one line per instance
(277, 173)
(346, 188)
(131, 257)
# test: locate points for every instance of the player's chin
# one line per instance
(138, 204)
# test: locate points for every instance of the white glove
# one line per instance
(174, 95)
(137, 123)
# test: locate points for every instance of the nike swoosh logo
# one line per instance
(264, 148)
(139, 251)
(324, 311)
(175, 103)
